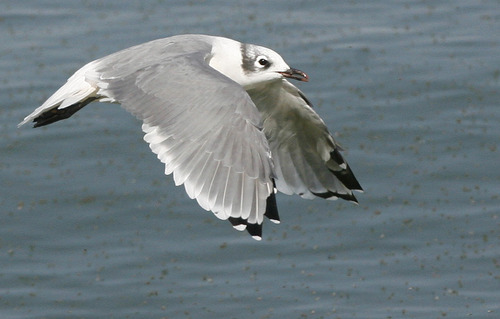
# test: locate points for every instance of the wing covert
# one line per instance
(203, 126)
(306, 158)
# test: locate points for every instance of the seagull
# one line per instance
(223, 118)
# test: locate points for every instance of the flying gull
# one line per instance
(223, 118)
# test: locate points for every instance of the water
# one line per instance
(92, 229)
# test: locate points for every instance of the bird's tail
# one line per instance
(80, 89)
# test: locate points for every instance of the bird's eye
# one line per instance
(262, 62)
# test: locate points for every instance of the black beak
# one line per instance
(295, 74)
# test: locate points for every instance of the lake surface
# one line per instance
(91, 228)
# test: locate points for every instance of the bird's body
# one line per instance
(223, 119)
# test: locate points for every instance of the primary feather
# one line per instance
(222, 118)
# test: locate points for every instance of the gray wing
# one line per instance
(306, 158)
(201, 124)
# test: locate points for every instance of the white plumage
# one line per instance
(222, 117)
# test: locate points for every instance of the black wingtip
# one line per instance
(335, 195)
(238, 223)
(255, 230)
(346, 176)
(57, 114)
(272, 208)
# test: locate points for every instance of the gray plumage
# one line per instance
(222, 118)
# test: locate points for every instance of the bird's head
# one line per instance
(251, 65)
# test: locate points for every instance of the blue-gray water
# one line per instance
(91, 228)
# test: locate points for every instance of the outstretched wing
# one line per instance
(201, 124)
(307, 159)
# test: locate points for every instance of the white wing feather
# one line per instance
(207, 133)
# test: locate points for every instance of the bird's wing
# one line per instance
(201, 124)
(306, 157)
